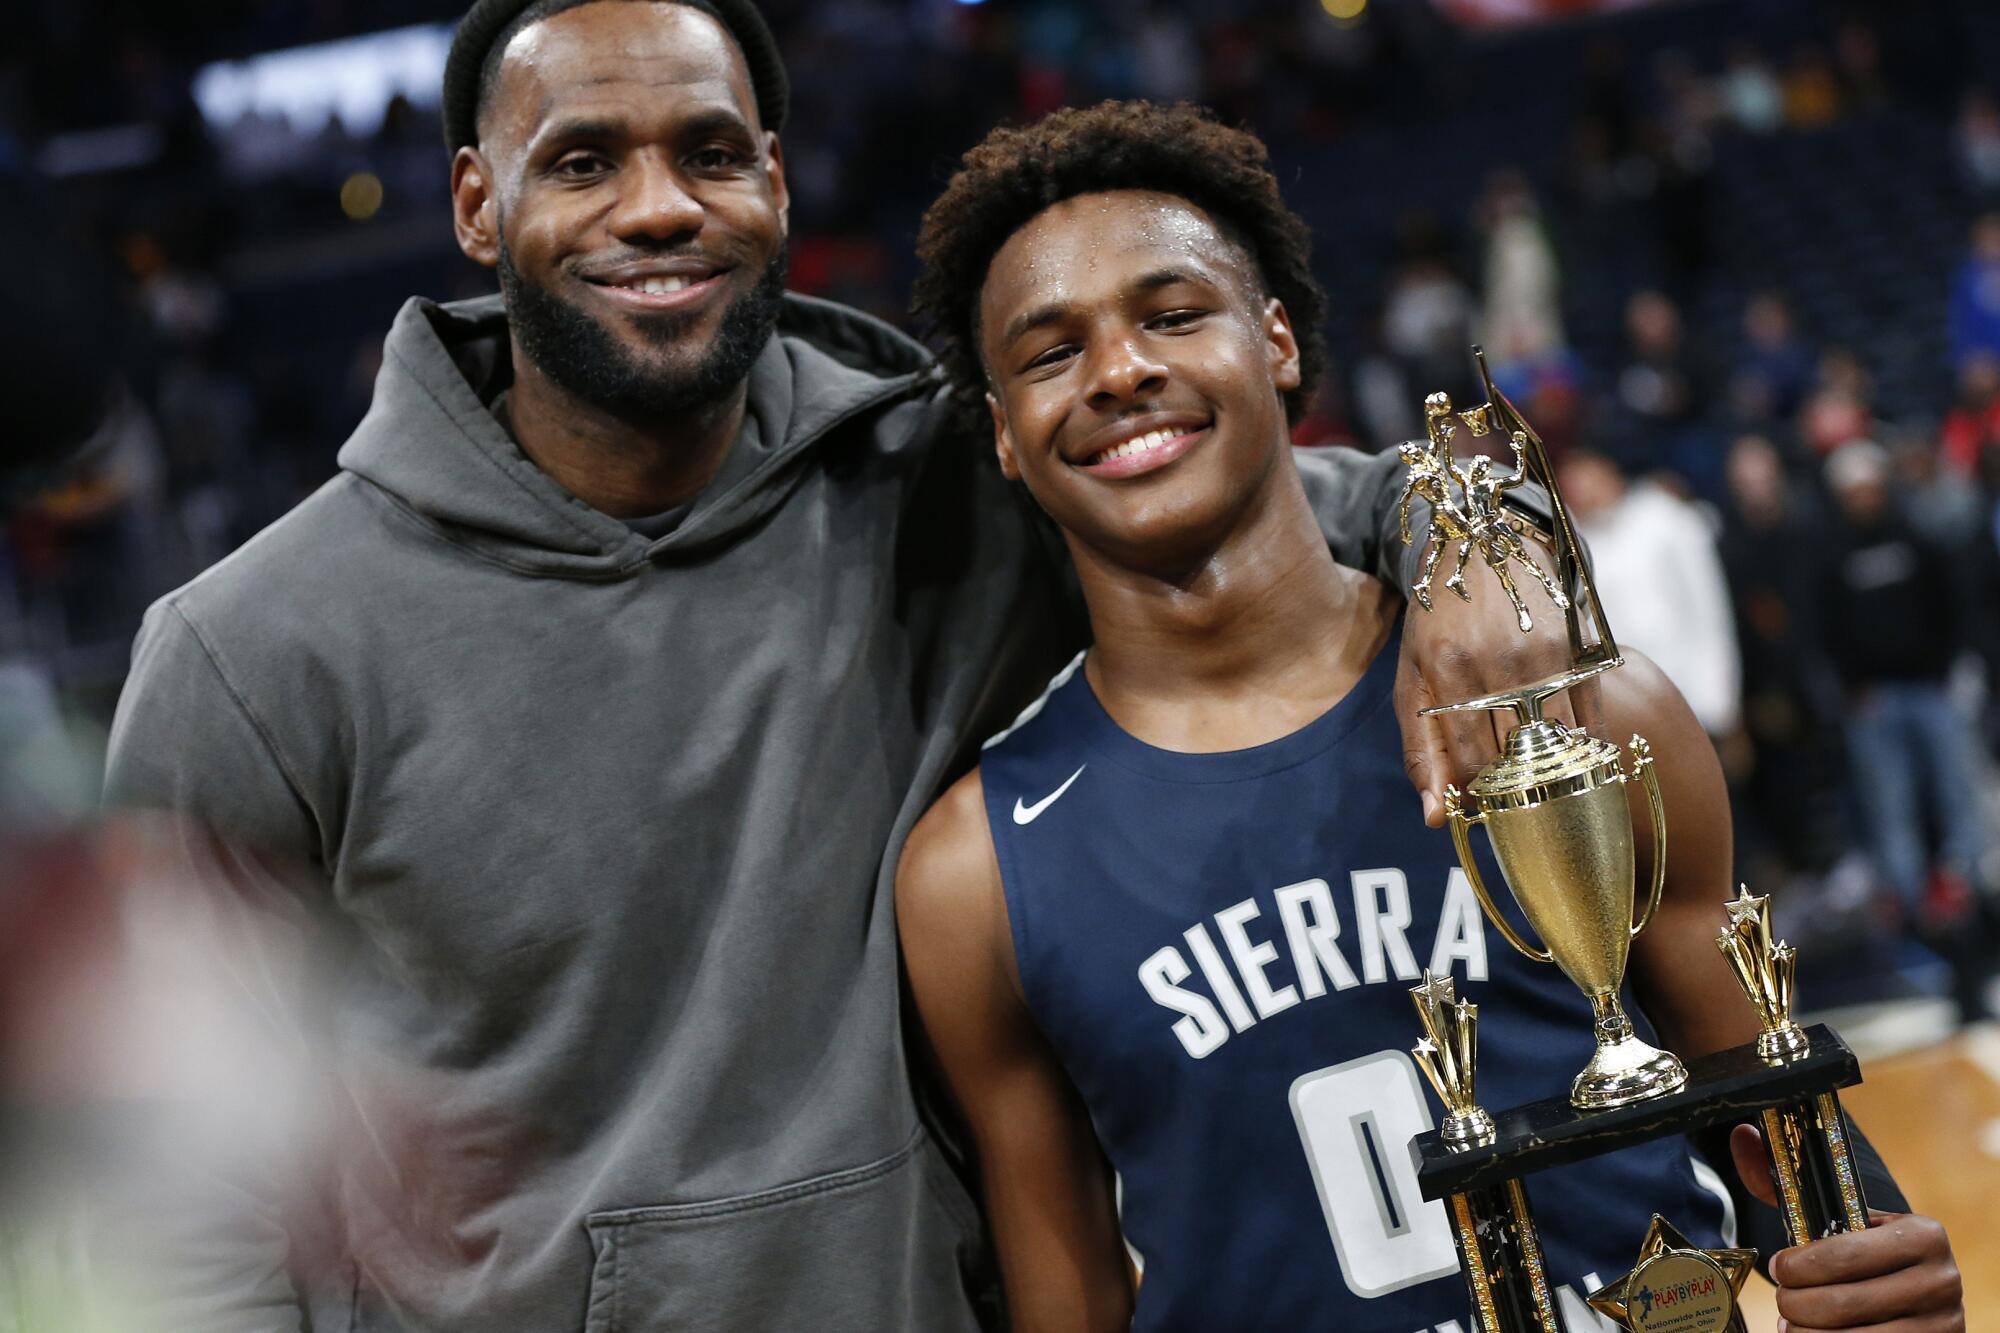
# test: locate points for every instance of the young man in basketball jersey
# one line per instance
(1161, 940)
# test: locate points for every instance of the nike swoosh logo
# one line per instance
(1027, 814)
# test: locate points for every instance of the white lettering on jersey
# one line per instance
(1252, 959)
(1577, 1314)
(1218, 976)
(1245, 974)
(1202, 1030)
(1461, 930)
(1381, 921)
(1315, 941)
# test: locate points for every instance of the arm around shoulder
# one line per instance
(1047, 1186)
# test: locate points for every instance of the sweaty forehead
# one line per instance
(1091, 246)
(635, 60)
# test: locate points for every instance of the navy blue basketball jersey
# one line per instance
(1220, 949)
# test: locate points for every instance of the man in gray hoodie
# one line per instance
(650, 606)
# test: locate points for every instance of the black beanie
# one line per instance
(488, 18)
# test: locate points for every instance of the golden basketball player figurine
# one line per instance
(1480, 522)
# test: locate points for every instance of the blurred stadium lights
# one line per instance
(361, 195)
(1506, 13)
(353, 79)
(113, 148)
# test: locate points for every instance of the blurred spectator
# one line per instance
(1662, 390)
(1777, 366)
(209, 421)
(1983, 592)
(1975, 294)
(1788, 784)
(1522, 322)
(1892, 624)
(1973, 427)
(1682, 162)
(1976, 143)
(1166, 58)
(1383, 398)
(92, 543)
(1942, 508)
(1840, 407)
(1654, 562)
(1428, 318)
(1812, 93)
(59, 338)
(1858, 54)
(1751, 94)
(1688, 102)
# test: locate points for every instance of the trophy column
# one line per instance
(1498, 1250)
(1812, 1164)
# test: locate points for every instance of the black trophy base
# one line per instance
(1728, 1086)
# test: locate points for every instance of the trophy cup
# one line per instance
(1554, 807)
(1553, 804)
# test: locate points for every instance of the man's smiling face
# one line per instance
(1136, 370)
(632, 202)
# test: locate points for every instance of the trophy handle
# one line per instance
(1461, 838)
(1642, 768)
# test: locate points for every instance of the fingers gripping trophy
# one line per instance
(1554, 807)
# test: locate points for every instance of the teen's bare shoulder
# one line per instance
(950, 903)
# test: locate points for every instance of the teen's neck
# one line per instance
(612, 465)
(1264, 635)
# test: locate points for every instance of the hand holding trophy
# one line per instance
(1555, 809)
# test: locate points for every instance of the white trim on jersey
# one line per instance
(1027, 714)
(1704, 1176)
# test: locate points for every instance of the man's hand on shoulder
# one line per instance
(1464, 649)
(1898, 1274)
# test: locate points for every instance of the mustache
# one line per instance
(602, 262)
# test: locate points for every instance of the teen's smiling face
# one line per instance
(1135, 369)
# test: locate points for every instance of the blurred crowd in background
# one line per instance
(1739, 262)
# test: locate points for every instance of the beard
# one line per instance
(586, 358)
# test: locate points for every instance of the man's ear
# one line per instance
(1281, 345)
(1003, 441)
(774, 173)
(475, 212)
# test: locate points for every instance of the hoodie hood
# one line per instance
(431, 442)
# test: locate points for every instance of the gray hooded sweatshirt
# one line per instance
(601, 831)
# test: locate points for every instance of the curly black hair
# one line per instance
(1004, 182)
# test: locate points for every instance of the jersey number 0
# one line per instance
(1356, 1121)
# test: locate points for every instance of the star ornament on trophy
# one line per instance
(1676, 1287)
(1448, 1053)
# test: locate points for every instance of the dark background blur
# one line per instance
(1727, 256)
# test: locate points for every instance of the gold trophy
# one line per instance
(1555, 810)
(1675, 1287)
(1553, 803)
